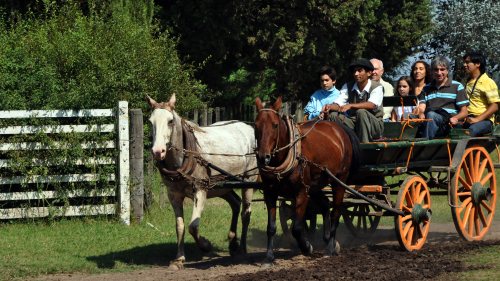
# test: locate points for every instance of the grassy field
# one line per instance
(100, 244)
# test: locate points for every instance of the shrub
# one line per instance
(63, 59)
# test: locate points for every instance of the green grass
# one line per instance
(101, 244)
(484, 257)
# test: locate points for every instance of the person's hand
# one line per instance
(471, 120)
(421, 116)
(453, 121)
(343, 109)
(321, 115)
(326, 108)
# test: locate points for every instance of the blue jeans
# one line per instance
(436, 127)
(478, 129)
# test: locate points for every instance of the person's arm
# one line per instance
(491, 93)
(375, 100)
(460, 116)
(421, 110)
(393, 115)
(311, 109)
(342, 99)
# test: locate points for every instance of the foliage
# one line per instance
(466, 25)
(65, 59)
(292, 38)
(62, 57)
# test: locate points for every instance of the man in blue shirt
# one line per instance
(328, 93)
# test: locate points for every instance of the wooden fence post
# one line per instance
(136, 141)
(223, 114)
(299, 112)
(204, 116)
(209, 116)
(195, 118)
(148, 184)
(217, 114)
(123, 163)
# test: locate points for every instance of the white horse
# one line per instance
(228, 146)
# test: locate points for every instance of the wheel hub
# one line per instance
(480, 193)
(419, 213)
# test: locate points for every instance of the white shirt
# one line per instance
(376, 96)
(388, 92)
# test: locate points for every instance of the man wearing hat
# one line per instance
(360, 103)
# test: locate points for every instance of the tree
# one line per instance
(284, 44)
(466, 25)
(65, 59)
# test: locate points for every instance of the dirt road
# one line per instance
(379, 257)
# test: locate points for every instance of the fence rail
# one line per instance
(207, 116)
(121, 127)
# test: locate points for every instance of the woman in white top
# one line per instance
(404, 87)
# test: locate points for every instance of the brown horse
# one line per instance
(294, 169)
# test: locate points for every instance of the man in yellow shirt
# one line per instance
(483, 96)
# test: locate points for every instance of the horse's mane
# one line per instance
(195, 127)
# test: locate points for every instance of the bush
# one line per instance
(63, 59)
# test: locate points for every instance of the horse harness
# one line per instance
(294, 155)
(191, 159)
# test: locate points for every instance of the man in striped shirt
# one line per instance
(443, 100)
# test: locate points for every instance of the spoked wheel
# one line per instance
(473, 188)
(414, 199)
(287, 215)
(358, 222)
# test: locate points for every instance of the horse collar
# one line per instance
(188, 164)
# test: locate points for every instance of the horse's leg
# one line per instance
(199, 200)
(270, 199)
(333, 247)
(301, 204)
(246, 211)
(322, 201)
(235, 202)
(177, 205)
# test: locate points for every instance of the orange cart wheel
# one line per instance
(473, 188)
(414, 200)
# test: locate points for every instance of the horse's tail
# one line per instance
(357, 152)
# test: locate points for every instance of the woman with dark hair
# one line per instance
(421, 75)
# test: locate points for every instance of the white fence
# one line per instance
(121, 178)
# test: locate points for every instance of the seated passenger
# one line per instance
(360, 101)
(404, 87)
(443, 100)
(378, 71)
(327, 94)
(483, 96)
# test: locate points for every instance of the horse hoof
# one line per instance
(337, 249)
(233, 248)
(266, 265)
(241, 252)
(204, 245)
(175, 266)
(308, 253)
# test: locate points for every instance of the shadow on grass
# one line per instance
(151, 255)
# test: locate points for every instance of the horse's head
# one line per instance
(162, 121)
(266, 129)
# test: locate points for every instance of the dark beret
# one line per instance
(366, 64)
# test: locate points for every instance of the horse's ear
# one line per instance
(151, 102)
(172, 101)
(277, 105)
(258, 104)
